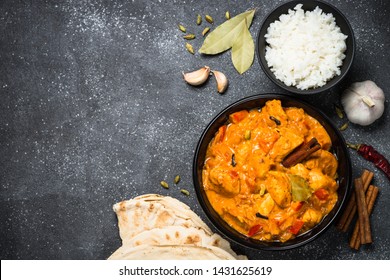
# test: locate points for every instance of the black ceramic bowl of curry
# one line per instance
(250, 224)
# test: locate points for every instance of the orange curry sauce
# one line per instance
(247, 184)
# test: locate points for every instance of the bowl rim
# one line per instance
(331, 83)
(264, 245)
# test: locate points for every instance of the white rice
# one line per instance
(305, 49)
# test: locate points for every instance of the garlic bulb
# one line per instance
(363, 102)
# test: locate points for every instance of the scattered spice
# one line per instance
(164, 184)
(272, 118)
(209, 19)
(339, 111)
(344, 126)
(369, 153)
(234, 163)
(258, 215)
(204, 32)
(185, 192)
(247, 134)
(189, 36)
(198, 19)
(190, 48)
(182, 28)
(177, 179)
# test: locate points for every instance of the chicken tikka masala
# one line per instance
(249, 186)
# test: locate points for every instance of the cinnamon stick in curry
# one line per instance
(301, 153)
(364, 222)
(371, 196)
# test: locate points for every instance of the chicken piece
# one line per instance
(274, 109)
(318, 131)
(325, 161)
(296, 118)
(279, 187)
(265, 137)
(287, 142)
(318, 180)
(225, 181)
(312, 217)
(266, 205)
(300, 170)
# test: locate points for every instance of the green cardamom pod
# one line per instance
(247, 134)
(183, 191)
(164, 184)
(177, 179)
(189, 36)
(204, 32)
(182, 28)
(344, 126)
(198, 19)
(189, 48)
(209, 19)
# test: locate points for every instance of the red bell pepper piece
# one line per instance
(238, 116)
(296, 227)
(297, 205)
(233, 174)
(322, 194)
(220, 134)
(254, 229)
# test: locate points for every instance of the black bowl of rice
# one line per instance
(306, 47)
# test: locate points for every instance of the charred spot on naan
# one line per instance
(193, 239)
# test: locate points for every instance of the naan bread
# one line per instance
(170, 252)
(154, 211)
(161, 227)
(179, 235)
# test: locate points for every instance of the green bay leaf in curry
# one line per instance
(299, 188)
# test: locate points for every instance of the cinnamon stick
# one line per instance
(364, 222)
(371, 196)
(366, 177)
(350, 210)
(301, 153)
(355, 238)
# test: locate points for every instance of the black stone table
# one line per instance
(94, 110)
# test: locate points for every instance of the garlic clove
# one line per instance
(197, 77)
(222, 81)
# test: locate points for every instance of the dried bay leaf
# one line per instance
(223, 37)
(243, 49)
(300, 188)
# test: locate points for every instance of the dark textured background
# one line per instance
(94, 110)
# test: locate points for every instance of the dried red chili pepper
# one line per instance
(369, 153)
